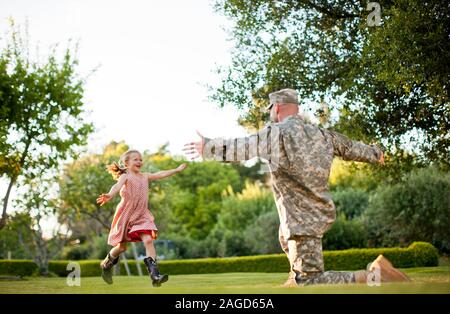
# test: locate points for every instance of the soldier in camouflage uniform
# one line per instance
(299, 157)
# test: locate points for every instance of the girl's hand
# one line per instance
(181, 167)
(102, 199)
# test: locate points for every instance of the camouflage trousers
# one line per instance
(306, 261)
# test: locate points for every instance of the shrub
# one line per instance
(241, 209)
(186, 247)
(18, 267)
(351, 202)
(238, 215)
(99, 246)
(77, 252)
(261, 237)
(416, 209)
(262, 263)
(418, 254)
(231, 243)
(345, 234)
(425, 254)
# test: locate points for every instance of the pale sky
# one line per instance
(154, 59)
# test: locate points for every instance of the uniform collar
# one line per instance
(294, 116)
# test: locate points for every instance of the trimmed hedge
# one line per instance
(18, 267)
(418, 254)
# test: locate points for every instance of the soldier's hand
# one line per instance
(195, 149)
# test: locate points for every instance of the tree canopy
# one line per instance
(41, 112)
(388, 83)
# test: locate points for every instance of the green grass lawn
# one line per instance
(424, 280)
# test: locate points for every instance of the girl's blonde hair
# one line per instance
(115, 169)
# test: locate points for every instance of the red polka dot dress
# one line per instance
(132, 215)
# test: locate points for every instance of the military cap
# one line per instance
(284, 96)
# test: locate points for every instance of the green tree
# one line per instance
(195, 198)
(9, 239)
(353, 175)
(240, 209)
(35, 206)
(80, 183)
(351, 202)
(388, 82)
(42, 113)
(237, 217)
(251, 173)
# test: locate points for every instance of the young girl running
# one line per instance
(133, 221)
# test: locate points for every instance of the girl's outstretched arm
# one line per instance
(165, 173)
(102, 199)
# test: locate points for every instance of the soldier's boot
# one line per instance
(107, 265)
(153, 271)
(387, 272)
(361, 276)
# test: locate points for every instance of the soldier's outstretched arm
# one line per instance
(234, 149)
(355, 150)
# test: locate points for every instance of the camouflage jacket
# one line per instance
(299, 156)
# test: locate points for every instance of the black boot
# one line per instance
(107, 265)
(157, 278)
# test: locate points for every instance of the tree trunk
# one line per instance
(11, 184)
(42, 251)
(98, 219)
(5, 203)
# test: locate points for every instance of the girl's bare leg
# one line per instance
(149, 247)
(117, 250)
